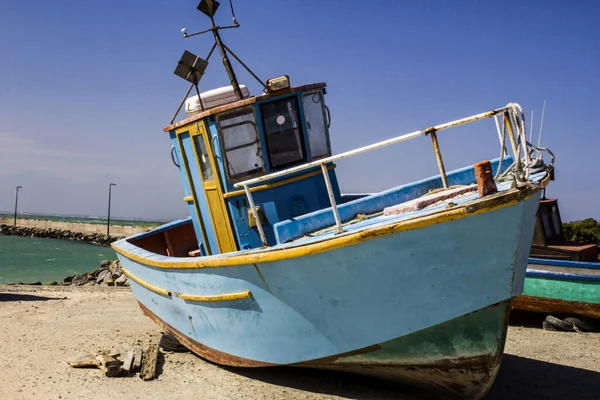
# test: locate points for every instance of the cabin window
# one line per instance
(316, 129)
(241, 146)
(283, 133)
(205, 167)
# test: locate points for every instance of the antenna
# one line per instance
(542, 124)
(209, 8)
(235, 23)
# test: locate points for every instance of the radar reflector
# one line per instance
(191, 67)
(208, 7)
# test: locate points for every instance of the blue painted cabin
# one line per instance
(216, 148)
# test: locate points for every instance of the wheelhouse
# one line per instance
(236, 140)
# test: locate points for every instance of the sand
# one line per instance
(41, 327)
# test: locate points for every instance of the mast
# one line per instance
(226, 63)
(191, 67)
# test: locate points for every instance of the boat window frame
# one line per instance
(300, 126)
(200, 148)
(240, 111)
(321, 92)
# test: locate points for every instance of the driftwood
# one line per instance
(84, 361)
(114, 364)
(109, 365)
(149, 361)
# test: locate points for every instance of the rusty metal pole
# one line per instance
(226, 63)
(438, 156)
(485, 178)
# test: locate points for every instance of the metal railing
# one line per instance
(513, 121)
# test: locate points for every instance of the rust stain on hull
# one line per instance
(557, 306)
(463, 378)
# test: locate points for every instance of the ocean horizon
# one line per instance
(84, 219)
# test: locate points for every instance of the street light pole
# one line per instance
(16, 204)
(109, 194)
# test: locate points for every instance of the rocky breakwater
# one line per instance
(110, 273)
(92, 238)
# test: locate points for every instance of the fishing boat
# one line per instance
(562, 278)
(275, 267)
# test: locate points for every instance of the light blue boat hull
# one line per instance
(336, 302)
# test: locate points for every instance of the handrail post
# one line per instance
(263, 239)
(438, 155)
(336, 215)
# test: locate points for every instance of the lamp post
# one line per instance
(109, 194)
(16, 204)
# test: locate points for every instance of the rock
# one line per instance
(104, 274)
(105, 263)
(115, 267)
(54, 283)
(110, 282)
(121, 281)
(95, 273)
(68, 279)
(78, 280)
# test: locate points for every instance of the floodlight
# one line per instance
(191, 67)
(208, 7)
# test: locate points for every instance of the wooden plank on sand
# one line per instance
(149, 363)
(127, 361)
(137, 359)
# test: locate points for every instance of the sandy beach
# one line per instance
(41, 327)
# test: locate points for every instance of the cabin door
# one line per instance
(213, 189)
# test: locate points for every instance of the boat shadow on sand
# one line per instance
(519, 377)
(26, 297)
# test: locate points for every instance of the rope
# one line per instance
(533, 159)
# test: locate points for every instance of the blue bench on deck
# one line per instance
(297, 227)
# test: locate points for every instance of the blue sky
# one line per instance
(86, 88)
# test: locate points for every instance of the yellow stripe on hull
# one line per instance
(480, 206)
(145, 284)
(189, 297)
(246, 294)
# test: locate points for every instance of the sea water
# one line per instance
(30, 259)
